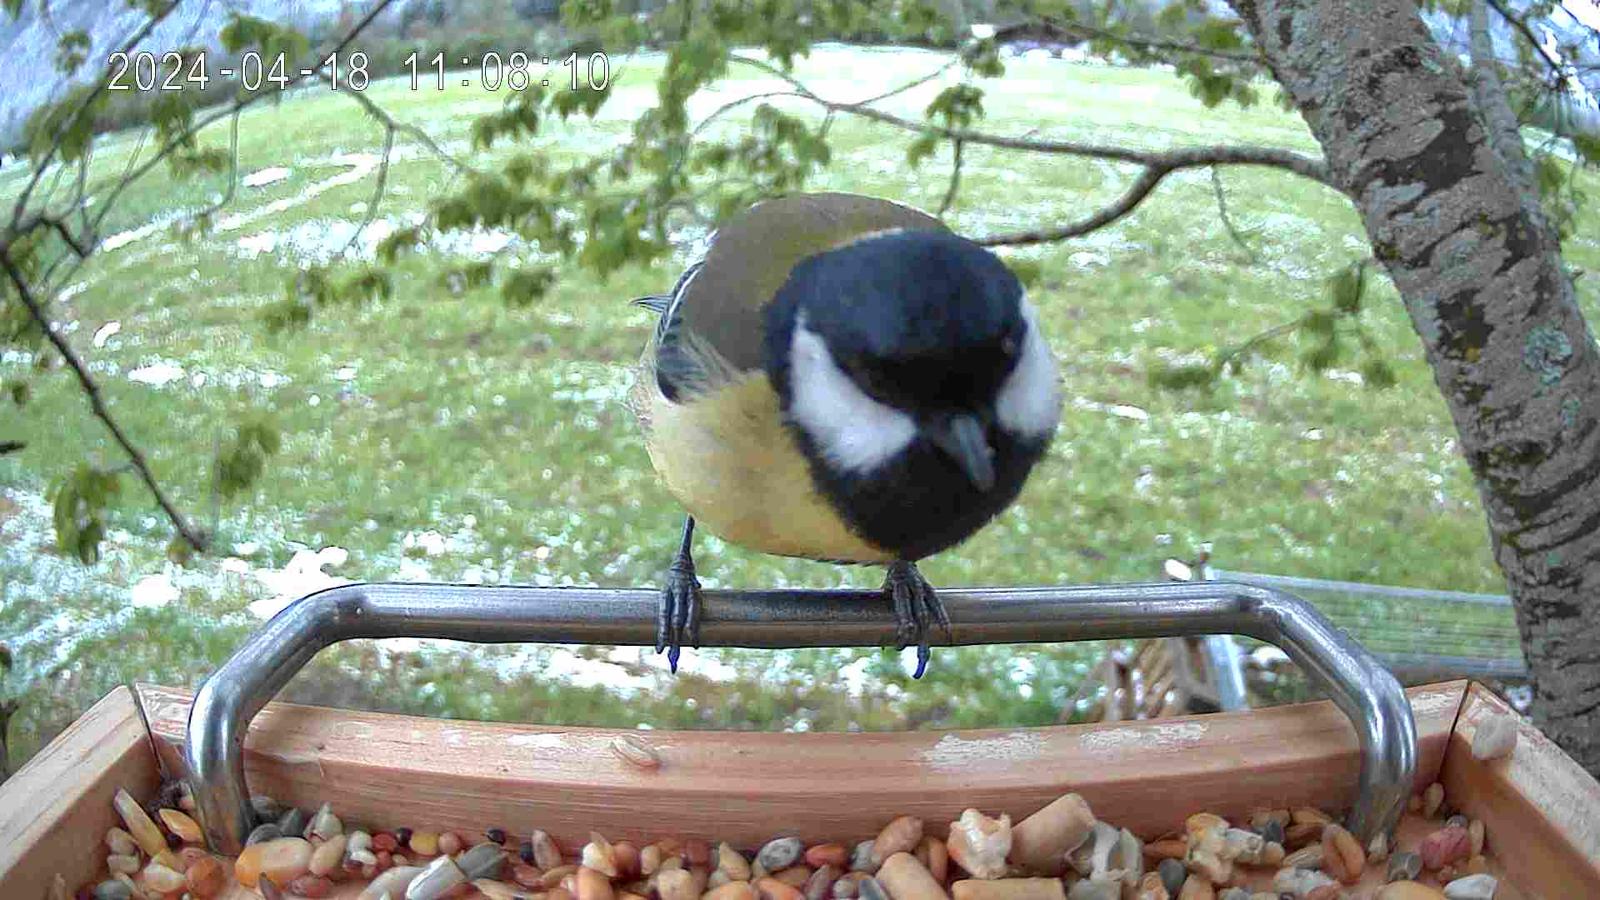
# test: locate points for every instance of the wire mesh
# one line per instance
(1413, 629)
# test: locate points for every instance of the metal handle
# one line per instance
(230, 698)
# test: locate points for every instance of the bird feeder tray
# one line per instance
(1368, 752)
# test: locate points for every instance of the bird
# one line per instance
(842, 378)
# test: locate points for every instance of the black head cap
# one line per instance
(922, 320)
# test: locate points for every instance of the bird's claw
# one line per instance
(916, 609)
(678, 618)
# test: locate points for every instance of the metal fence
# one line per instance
(1417, 633)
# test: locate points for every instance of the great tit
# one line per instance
(842, 378)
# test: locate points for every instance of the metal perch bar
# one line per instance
(230, 698)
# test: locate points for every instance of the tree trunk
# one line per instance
(1481, 274)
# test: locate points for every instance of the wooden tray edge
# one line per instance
(1540, 809)
(55, 810)
(747, 786)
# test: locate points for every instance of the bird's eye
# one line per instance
(1008, 345)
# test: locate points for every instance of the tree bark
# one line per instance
(1481, 274)
(1490, 94)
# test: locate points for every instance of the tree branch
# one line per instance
(83, 105)
(734, 104)
(1300, 164)
(8, 708)
(1089, 32)
(233, 169)
(379, 184)
(1155, 164)
(913, 84)
(1557, 71)
(1227, 220)
(239, 104)
(1261, 337)
(955, 180)
(1140, 189)
(395, 125)
(92, 391)
(1505, 138)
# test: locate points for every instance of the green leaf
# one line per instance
(248, 32)
(400, 242)
(1321, 322)
(1346, 286)
(71, 51)
(1323, 354)
(180, 551)
(1587, 145)
(1219, 34)
(67, 124)
(1377, 373)
(524, 286)
(289, 313)
(242, 460)
(921, 148)
(80, 501)
(982, 58)
(365, 285)
(958, 106)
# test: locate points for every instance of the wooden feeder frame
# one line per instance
(744, 787)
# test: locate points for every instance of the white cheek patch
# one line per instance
(1030, 400)
(853, 431)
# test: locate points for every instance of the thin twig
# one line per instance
(1257, 339)
(1160, 166)
(377, 191)
(1190, 157)
(1088, 32)
(216, 483)
(393, 124)
(908, 86)
(955, 180)
(233, 109)
(92, 391)
(1140, 189)
(233, 171)
(1227, 220)
(1156, 164)
(61, 228)
(239, 104)
(83, 106)
(8, 708)
(734, 104)
(1557, 70)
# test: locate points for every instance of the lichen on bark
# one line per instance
(1421, 148)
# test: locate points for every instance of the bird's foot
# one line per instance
(916, 610)
(678, 619)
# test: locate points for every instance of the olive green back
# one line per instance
(752, 255)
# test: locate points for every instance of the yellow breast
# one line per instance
(730, 461)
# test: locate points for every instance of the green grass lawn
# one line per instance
(447, 437)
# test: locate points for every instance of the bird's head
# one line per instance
(912, 339)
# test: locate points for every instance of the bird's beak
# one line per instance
(961, 438)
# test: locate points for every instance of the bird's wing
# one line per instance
(719, 304)
(678, 360)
